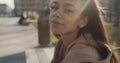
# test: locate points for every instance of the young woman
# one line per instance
(82, 39)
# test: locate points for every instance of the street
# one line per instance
(15, 39)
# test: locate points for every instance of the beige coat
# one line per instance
(78, 52)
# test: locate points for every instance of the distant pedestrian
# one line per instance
(22, 19)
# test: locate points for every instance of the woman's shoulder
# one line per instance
(85, 50)
(82, 46)
(81, 53)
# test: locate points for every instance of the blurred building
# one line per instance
(30, 6)
(107, 8)
(106, 4)
(5, 10)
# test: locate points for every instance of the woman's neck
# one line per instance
(69, 37)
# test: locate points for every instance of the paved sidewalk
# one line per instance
(18, 43)
(15, 38)
(39, 54)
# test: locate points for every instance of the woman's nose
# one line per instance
(57, 13)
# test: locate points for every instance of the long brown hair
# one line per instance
(96, 29)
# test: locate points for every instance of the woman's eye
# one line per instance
(68, 11)
(54, 8)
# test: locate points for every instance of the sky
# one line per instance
(9, 2)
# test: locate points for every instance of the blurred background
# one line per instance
(25, 36)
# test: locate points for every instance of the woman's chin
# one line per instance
(56, 31)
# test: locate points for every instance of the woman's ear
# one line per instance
(83, 22)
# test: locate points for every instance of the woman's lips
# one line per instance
(56, 23)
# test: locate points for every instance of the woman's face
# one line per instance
(65, 15)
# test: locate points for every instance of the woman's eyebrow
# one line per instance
(69, 4)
